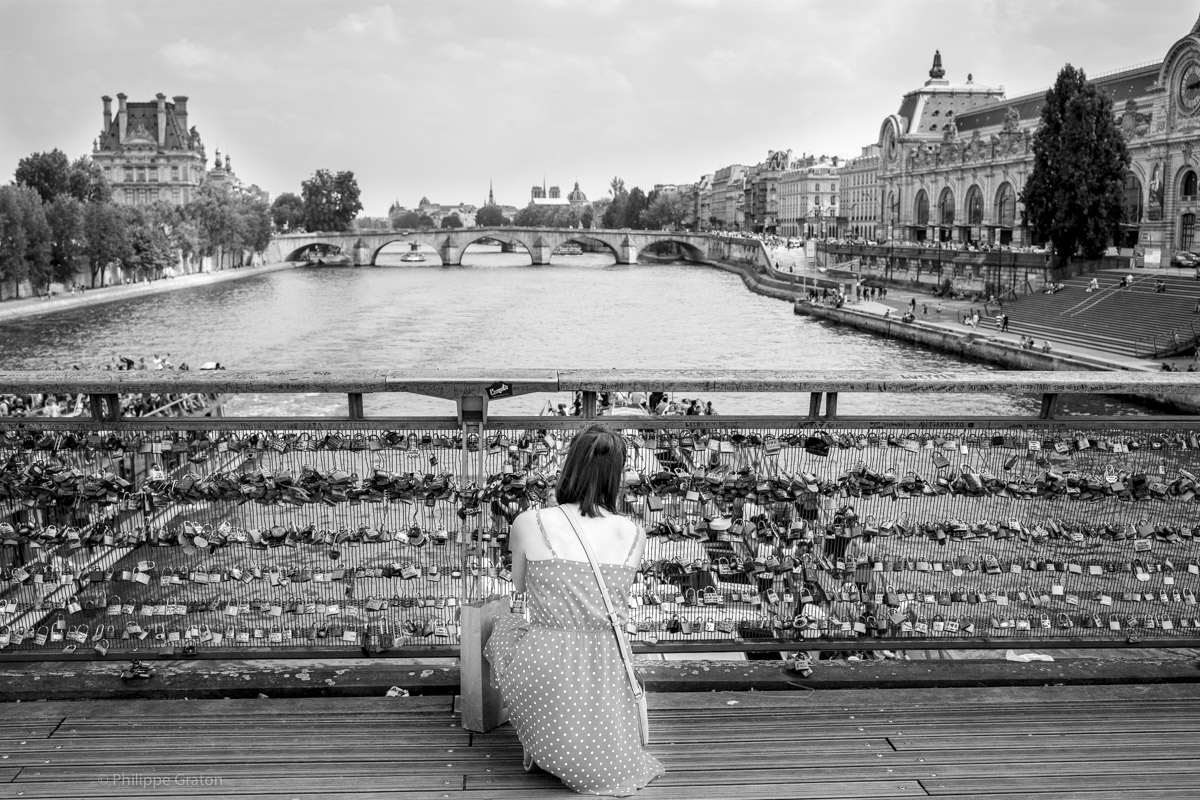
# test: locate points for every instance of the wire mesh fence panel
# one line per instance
(300, 536)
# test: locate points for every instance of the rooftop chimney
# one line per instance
(162, 118)
(122, 117)
(181, 112)
(107, 113)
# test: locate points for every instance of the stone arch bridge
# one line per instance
(364, 246)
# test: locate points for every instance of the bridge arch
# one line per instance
(317, 248)
(686, 249)
(590, 241)
(400, 238)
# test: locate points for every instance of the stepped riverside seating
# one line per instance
(1135, 322)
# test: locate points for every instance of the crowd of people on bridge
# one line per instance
(655, 403)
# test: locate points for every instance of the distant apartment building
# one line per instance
(808, 198)
(728, 197)
(761, 202)
(702, 203)
(859, 191)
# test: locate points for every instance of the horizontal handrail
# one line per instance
(451, 383)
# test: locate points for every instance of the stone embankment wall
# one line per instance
(753, 265)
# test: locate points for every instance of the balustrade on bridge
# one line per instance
(269, 537)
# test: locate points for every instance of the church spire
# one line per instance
(491, 197)
(1196, 27)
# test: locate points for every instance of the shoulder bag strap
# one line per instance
(613, 618)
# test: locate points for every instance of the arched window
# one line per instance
(1189, 183)
(1131, 200)
(946, 207)
(974, 206)
(1006, 206)
(922, 209)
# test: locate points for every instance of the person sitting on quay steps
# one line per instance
(908, 317)
(1160, 286)
(1045, 346)
(1093, 285)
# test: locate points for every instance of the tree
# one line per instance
(24, 237)
(614, 213)
(64, 215)
(86, 181)
(51, 175)
(150, 250)
(105, 238)
(216, 221)
(424, 221)
(666, 211)
(48, 174)
(256, 223)
(406, 219)
(491, 216)
(451, 221)
(1073, 195)
(634, 207)
(287, 212)
(331, 201)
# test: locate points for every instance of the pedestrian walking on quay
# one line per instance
(1004, 323)
(566, 673)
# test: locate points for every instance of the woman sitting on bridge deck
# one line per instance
(562, 673)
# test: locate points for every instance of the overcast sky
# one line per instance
(436, 98)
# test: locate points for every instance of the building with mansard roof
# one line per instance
(955, 157)
(149, 154)
(147, 151)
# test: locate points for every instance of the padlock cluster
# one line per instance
(306, 538)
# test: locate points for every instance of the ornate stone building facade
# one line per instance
(954, 159)
(148, 153)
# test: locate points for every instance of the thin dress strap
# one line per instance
(545, 538)
(636, 537)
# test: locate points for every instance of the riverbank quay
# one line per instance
(25, 308)
(1061, 742)
(950, 335)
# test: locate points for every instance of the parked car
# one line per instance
(1182, 258)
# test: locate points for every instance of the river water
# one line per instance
(497, 311)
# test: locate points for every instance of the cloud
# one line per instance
(186, 54)
(378, 22)
(200, 62)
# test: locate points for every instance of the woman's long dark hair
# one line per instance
(592, 473)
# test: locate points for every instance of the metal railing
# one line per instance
(286, 536)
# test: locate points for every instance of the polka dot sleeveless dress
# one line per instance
(561, 676)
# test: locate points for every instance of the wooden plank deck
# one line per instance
(1065, 743)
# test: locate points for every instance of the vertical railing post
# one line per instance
(105, 407)
(589, 405)
(831, 399)
(814, 404)
(355, 402)
(1049, 401)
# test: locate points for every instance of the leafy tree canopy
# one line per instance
(491, 217)
(1073, 196)
(48, 174)
(287, 212)
(406, 219)
(452, 221)
(331, 201)
(51, 174)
